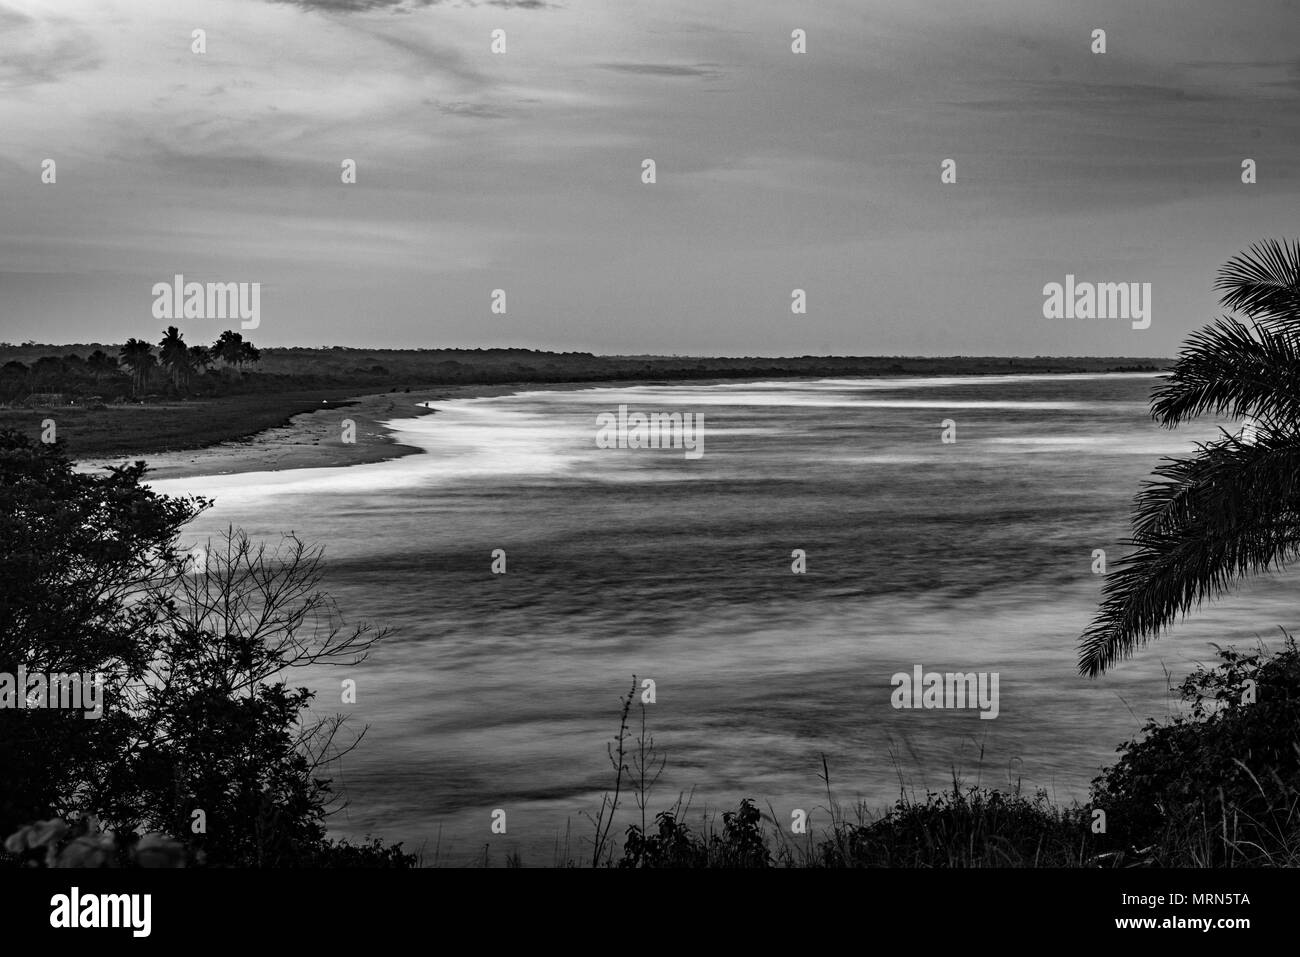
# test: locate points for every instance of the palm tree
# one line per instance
(175, 355)
(1233, 508)
(137, 355)
(201, 358)
(228, 348)
(148, 362)
(100, 364)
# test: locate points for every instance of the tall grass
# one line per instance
(1216, 786)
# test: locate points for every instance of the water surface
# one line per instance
(501, 691)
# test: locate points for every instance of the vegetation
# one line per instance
(30, 374)
(102, 408)
(203, 752)
(1231, 510)
(99, 375)
(1217, 786)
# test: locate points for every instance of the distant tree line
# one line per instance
(207, 371)
(137, 370)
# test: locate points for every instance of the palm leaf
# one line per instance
(1230, 512)
(1264, 283)
(1232, 369)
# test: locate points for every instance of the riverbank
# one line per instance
(98, 416)
(276, 432)
(308, 440)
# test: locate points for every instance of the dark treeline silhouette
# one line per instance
(137, 369)
(133, 370)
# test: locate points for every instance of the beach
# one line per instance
(310, 440)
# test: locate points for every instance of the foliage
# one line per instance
(201, 736)
(742, 842)
(1231, 510)
(56, 843)
(1220, 785)
(970, 827)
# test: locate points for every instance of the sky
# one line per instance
(522, 170)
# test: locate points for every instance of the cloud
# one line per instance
(404, 6)
(355, 6)
(1237, 64)
(1259, 73)
(1292, 81)
(663, 69)
(39, 56)
(478, 111)
(1076, 95)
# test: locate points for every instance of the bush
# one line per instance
(965, 828)
(741, 844)
(1220, 785)
(82, 843)
(199, 735)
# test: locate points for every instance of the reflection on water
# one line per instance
(501, 691)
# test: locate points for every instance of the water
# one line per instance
(501, 691)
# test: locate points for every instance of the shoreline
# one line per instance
(314, 439)
(309, 440)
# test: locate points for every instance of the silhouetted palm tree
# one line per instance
(148, 363)
(137, 355)
(1232, 509)
(175, 355)
(201, 358)
(228, 348)
(100, 364)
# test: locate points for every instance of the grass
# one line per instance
(1216, 787)
(130, 428)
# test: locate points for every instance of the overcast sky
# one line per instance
(522, 171)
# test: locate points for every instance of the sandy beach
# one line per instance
(315, 439)
(310, 440)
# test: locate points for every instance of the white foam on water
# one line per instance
(540, 434)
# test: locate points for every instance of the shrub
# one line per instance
(1220, 785)
(742, 842)
(973, 827)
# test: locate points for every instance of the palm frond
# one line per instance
(1232, 511)
(1264, 283)
(1230, 368)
